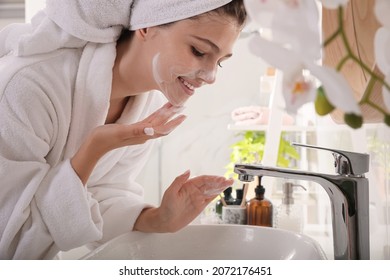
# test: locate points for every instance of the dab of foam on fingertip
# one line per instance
(149, 131)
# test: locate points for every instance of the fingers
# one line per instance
(208, 185)
(164, 129)
(168, 127)
(163, 114)
(138, 133)
(179, 181)
(210, 180)
(141, 129)
(159, 123)
(167, 106)
(211, 185)
(135, 131)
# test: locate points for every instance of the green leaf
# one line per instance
(283, 162)
(353, 120)
(292, 152)
(387, 120)
(322, 104)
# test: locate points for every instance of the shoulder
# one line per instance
(50, 75)
(59, 68)
(41, 90)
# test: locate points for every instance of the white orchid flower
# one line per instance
(262, 12)
(295, 46)
(382, 57)
(293, 23)
(382, 45)
(337, 89)
(299, 89)
(386, 93)
(381, 9)
(333, 4)
(296, 89)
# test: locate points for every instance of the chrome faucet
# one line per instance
(348, 193)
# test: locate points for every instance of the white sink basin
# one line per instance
(207, 242)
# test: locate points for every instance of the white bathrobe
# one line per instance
(48, 104)
(55, 83)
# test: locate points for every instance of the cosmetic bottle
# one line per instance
(239, 194)
(259, 208)
(289, 215)
(228, 199)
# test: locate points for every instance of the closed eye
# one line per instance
(197, 52)
(200, 54)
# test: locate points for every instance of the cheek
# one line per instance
(168, 67)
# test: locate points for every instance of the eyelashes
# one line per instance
(200, 54)
(197, 52)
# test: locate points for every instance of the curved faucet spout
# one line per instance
(349, 203)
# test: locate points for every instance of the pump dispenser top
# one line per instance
(288, 189)
(288, 214)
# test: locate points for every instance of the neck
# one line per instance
(129, 78)
(130, 72)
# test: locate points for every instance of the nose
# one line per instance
(208, 74)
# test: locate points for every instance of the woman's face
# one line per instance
(188, 53)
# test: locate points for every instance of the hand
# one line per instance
(112, 136)
(182, 202)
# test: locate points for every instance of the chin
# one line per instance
(178, 102)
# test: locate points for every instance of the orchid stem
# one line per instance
(366, 96)
(375, 106)
(332, 37)
(342, 62)
(367, 92)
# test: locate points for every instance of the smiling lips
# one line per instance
(190, 87)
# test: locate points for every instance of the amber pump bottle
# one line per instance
(259, 208)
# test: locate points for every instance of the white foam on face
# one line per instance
(165, 77)
(156, 74)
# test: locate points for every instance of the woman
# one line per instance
(78, 111)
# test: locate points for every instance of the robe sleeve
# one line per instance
(44, 207)
(120, 197)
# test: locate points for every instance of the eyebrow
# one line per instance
(214, 46)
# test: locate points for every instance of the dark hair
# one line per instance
(234, 9)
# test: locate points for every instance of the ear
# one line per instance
(143, 34)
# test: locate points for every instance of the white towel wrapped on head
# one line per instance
(146, 13)
(73, 23)
(98, 21)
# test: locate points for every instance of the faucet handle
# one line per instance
(346, 163)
